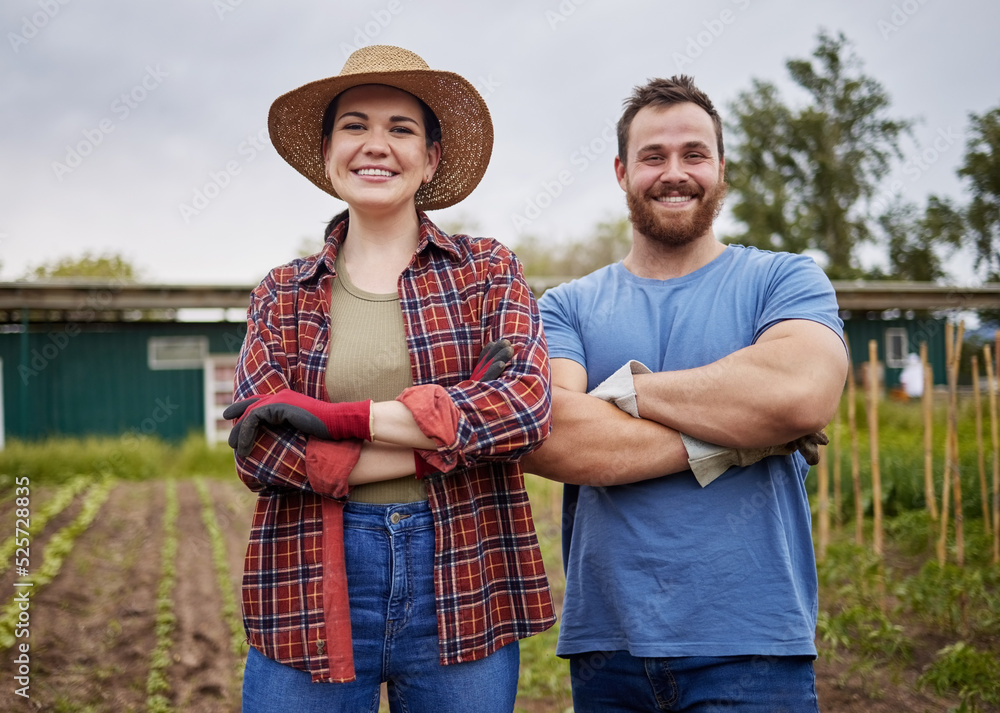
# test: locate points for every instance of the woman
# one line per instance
(363, 371)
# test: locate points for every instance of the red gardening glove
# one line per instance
(332, 421)
(493, 359)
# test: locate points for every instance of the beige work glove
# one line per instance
(619, 388)
(707, 460)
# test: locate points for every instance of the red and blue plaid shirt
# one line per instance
(458, 294)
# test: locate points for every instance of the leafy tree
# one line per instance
(918, 245)
(109, 266)
(982, 170)
(763, 122)
(806, 178)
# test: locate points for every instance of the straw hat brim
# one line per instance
(295, 123)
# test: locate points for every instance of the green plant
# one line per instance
(40, 518)
(960, 668)
(874, 641)
(230, 608)
(56, 551)
(157, 685)
(954, 598)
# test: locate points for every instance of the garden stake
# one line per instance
(980, 454)
(852, 425)
(838, 505)
(991, 396)
(823, 503)
(928, 403)
(942, 551)
(873, 395)
(956, 479)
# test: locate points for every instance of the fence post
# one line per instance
(928, 404)
(873, 397)
(991, 394)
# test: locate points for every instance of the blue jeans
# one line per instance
(390, 579)
(616, 681)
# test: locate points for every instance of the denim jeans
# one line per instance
(615, 682)
(390, 578)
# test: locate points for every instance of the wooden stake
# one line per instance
(980, 450)
(942, 551)
(852, 426)
(956, 480)
(991, 397)
(823, 503)
(928, 403)
(873, 398)
(838, 498)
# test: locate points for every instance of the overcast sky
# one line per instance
(118, 115)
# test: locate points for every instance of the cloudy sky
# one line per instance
(140, 128)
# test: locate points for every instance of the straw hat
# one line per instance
(296, 118)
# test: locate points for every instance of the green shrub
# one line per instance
(972, 674)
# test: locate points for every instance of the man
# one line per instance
(685, 593)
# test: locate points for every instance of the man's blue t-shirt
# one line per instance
(664, 567)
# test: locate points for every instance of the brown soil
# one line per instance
(92, 627)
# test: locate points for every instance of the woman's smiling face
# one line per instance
(377, 154)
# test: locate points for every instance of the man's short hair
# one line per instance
(665, 92)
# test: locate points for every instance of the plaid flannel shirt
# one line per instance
(458, 294)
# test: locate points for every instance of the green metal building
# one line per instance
(83, 359)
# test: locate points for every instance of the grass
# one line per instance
(59, 460)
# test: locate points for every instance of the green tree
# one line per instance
(806, 178)
(981, 169)
(109, 266)
(919, 245)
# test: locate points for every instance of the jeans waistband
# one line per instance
(392, 516)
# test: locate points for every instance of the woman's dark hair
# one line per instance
(432, 127)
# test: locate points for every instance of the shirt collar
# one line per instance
(323, 261)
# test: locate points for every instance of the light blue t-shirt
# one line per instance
(664, 567)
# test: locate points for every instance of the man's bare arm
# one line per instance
(594, 443)
(785, 386)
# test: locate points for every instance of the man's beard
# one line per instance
(675, 230)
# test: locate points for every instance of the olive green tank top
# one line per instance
(369, 359)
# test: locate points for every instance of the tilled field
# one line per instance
(93, 630)
(142, 613)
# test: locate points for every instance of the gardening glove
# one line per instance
(493, 359)
(332, 421)
(619, 388)
(708, 461)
